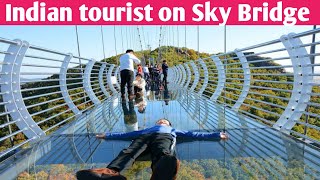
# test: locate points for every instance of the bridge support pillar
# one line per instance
(12, 91)
(302, 83)
(87, 83)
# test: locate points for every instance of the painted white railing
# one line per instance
(275, 82)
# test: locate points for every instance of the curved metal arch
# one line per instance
(171, 74)
(87, 83)
(301, 87)
(101, 83)
(175, 78)
(180, 75)
(221, 78)
(109, 90)
(206, 78)
(178, 70)
(196, 76)
(246, 83)
(12, 90)
(64, 87)
(109, 74)
(184, 75)
(117, 75)
(176, 74)
(188, 75)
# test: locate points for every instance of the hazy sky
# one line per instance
(211, 38)
(117, 39)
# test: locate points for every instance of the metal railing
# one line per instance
(273, 82)
(43, 89)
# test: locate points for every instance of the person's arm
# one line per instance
(135, 59)
(201, 135)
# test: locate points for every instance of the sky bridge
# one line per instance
(265, 96)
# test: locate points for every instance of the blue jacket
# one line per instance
(165, 129)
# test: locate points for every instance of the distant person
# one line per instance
(139, 85)
(130, 117)
(146, 73)
(140, 69)
(165, 71)
(159, 67)
(150, 70)
(127, 72)
(158, 141)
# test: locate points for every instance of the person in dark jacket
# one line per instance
(165, 71)
(158, 140)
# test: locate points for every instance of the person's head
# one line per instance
(138, 77)
(130, 51)
(166, 102)
(164, 61)
(163, 122)
(141, 109)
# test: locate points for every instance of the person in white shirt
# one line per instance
(146, 73)
(127, 72)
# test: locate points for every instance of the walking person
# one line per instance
(165, 71)
(146, 72)
(127, 72)
(158, 140)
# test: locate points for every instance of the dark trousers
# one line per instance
(164, 77)
(146, 76)
(157, 144)
(126, 78)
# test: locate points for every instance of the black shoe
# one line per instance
(166, 168)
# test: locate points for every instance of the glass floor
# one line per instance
(254, 151)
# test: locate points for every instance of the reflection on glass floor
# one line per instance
(253, 151)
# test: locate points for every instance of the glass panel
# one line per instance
(253, 151)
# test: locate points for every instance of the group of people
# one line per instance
(144, 74)
(158, 141)
(153, 73)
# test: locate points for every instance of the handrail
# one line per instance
(266, 88)
(256, 84)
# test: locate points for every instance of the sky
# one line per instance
(210, 39)
(117, 39)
